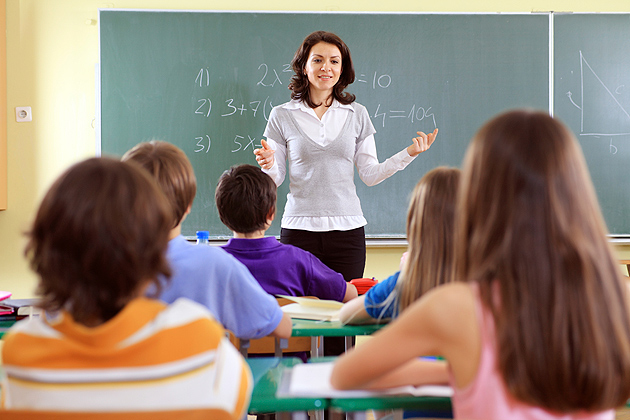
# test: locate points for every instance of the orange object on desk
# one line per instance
(363, 284)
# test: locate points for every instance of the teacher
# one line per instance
(323, 133)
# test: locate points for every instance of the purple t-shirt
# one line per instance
(287, 270)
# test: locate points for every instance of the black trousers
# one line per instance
(342, 251)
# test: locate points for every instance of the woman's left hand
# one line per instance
(422, 143)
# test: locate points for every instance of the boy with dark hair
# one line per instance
(246, 200)
(207, 274)
(97, 242)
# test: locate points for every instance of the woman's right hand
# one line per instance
(264, 155)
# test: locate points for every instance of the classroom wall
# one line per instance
(52, 55)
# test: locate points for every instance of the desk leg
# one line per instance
(356, 415)
(299, 415)
(281, 343)
(244, 345)
(317, 350)
(348, 342)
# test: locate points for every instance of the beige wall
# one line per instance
(52, 53)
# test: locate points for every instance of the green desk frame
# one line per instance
(315, 329)
(267, 372)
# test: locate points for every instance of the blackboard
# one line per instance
(592, 96)
(206, 82)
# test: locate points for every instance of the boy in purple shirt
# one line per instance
(246, 200)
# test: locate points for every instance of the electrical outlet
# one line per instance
(23, 114)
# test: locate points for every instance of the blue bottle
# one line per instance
(202, 237)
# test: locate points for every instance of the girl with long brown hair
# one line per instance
(538, 325)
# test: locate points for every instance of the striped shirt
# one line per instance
(148, 357)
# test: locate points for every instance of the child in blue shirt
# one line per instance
(246, 200)
(429, 261)
(207, 274)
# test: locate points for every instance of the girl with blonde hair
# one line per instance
(429, 259)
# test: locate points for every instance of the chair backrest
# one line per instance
(267, 345)
(196, 414)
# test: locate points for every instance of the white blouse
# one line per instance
(323, 132)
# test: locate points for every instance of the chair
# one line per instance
(196, 414)
(267, 345)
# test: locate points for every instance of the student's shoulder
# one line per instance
(449, 306)
(185, 311)
(293, 250)
(451, 295)
(182, 249)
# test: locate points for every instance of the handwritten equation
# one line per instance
(267, 78)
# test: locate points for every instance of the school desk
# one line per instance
(310, 328)
(268, 371)
(4, 327)
(316, 330)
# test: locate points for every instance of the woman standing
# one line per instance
(323, 134)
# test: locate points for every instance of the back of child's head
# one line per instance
(430, 233)
(530, 233)
(246, 198)
(172, 170)
(99, 236)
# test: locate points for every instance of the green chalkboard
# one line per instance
(207, 81)
(592, 96)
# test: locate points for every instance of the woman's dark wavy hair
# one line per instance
(100, 234)
(299, 84)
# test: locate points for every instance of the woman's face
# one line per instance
(323, 67)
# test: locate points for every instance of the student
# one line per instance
(97, 242)
(246, 200)
(207, 274)
(539, 326)
(429, 261)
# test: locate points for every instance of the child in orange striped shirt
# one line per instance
(97, 242)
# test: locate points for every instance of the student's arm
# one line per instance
(375, 306)
(241, 304)
(351, 293)
(284, 328)
(323, 282)
(442, 323)
(417, 372)
(353, 312)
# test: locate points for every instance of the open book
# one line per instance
(317, 309)
(5, 310)
(313, 380)
(22, 307)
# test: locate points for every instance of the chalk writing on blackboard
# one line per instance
(204, 103)
(274, 78)
(270, 77)
(240, 140)
(613, 148)
(203, 143)
(595, 94)
(382, 81)
(204, 74)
